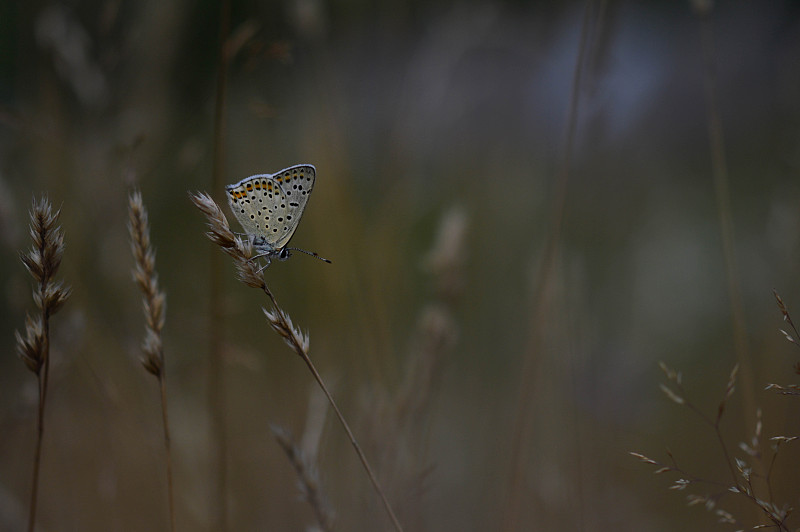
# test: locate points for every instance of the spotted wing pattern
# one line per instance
(270, 206)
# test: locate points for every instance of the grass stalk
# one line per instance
(719, 168)
(249, 272)
(42, 262)
(542, 294)
(216, 369)
(153, 302)
(299, 343)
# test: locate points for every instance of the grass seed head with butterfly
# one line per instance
(269, 208)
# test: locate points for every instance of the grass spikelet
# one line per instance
(307, 478)
(153, 299)
(42, 262)
(786, 317)
(153, 303)
(751, 476)
(282, 324)
(219, 232)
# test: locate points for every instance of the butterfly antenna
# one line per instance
(323, 259)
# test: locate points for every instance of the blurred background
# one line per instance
(489, 390)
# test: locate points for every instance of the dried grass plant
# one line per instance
(747, 482)
(307, 478)
(153, 303)
(251, 274)
(398, 423)
(42, 262)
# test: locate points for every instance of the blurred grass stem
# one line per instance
(543, 288)
(719, 168)
(216, 369)
(309, 482)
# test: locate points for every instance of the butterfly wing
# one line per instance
(271, 205)
(253, 201)
(295, 184)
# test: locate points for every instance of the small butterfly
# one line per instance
(269, 207)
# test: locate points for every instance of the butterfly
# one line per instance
(269, 208)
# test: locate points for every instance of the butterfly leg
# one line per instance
(265, 266)
(266, 255)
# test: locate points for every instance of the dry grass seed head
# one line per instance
(307, 477)
(294, 337)
(44, 258)
(445, 260)
(220, 233)
(30, 347)
(42, 262)
(144, 274)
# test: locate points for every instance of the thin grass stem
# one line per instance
(354, 443)
(719, 168)
(543, 288)
(37, 459)
(249, 272)
(216, 369)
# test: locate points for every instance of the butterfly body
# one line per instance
(269, 208)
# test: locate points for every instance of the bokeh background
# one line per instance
(485, 398)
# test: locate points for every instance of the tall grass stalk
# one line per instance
(216, 368)
(545, 279)
(249, 272)
(42, 262)
(719, 169)
(153, 302)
